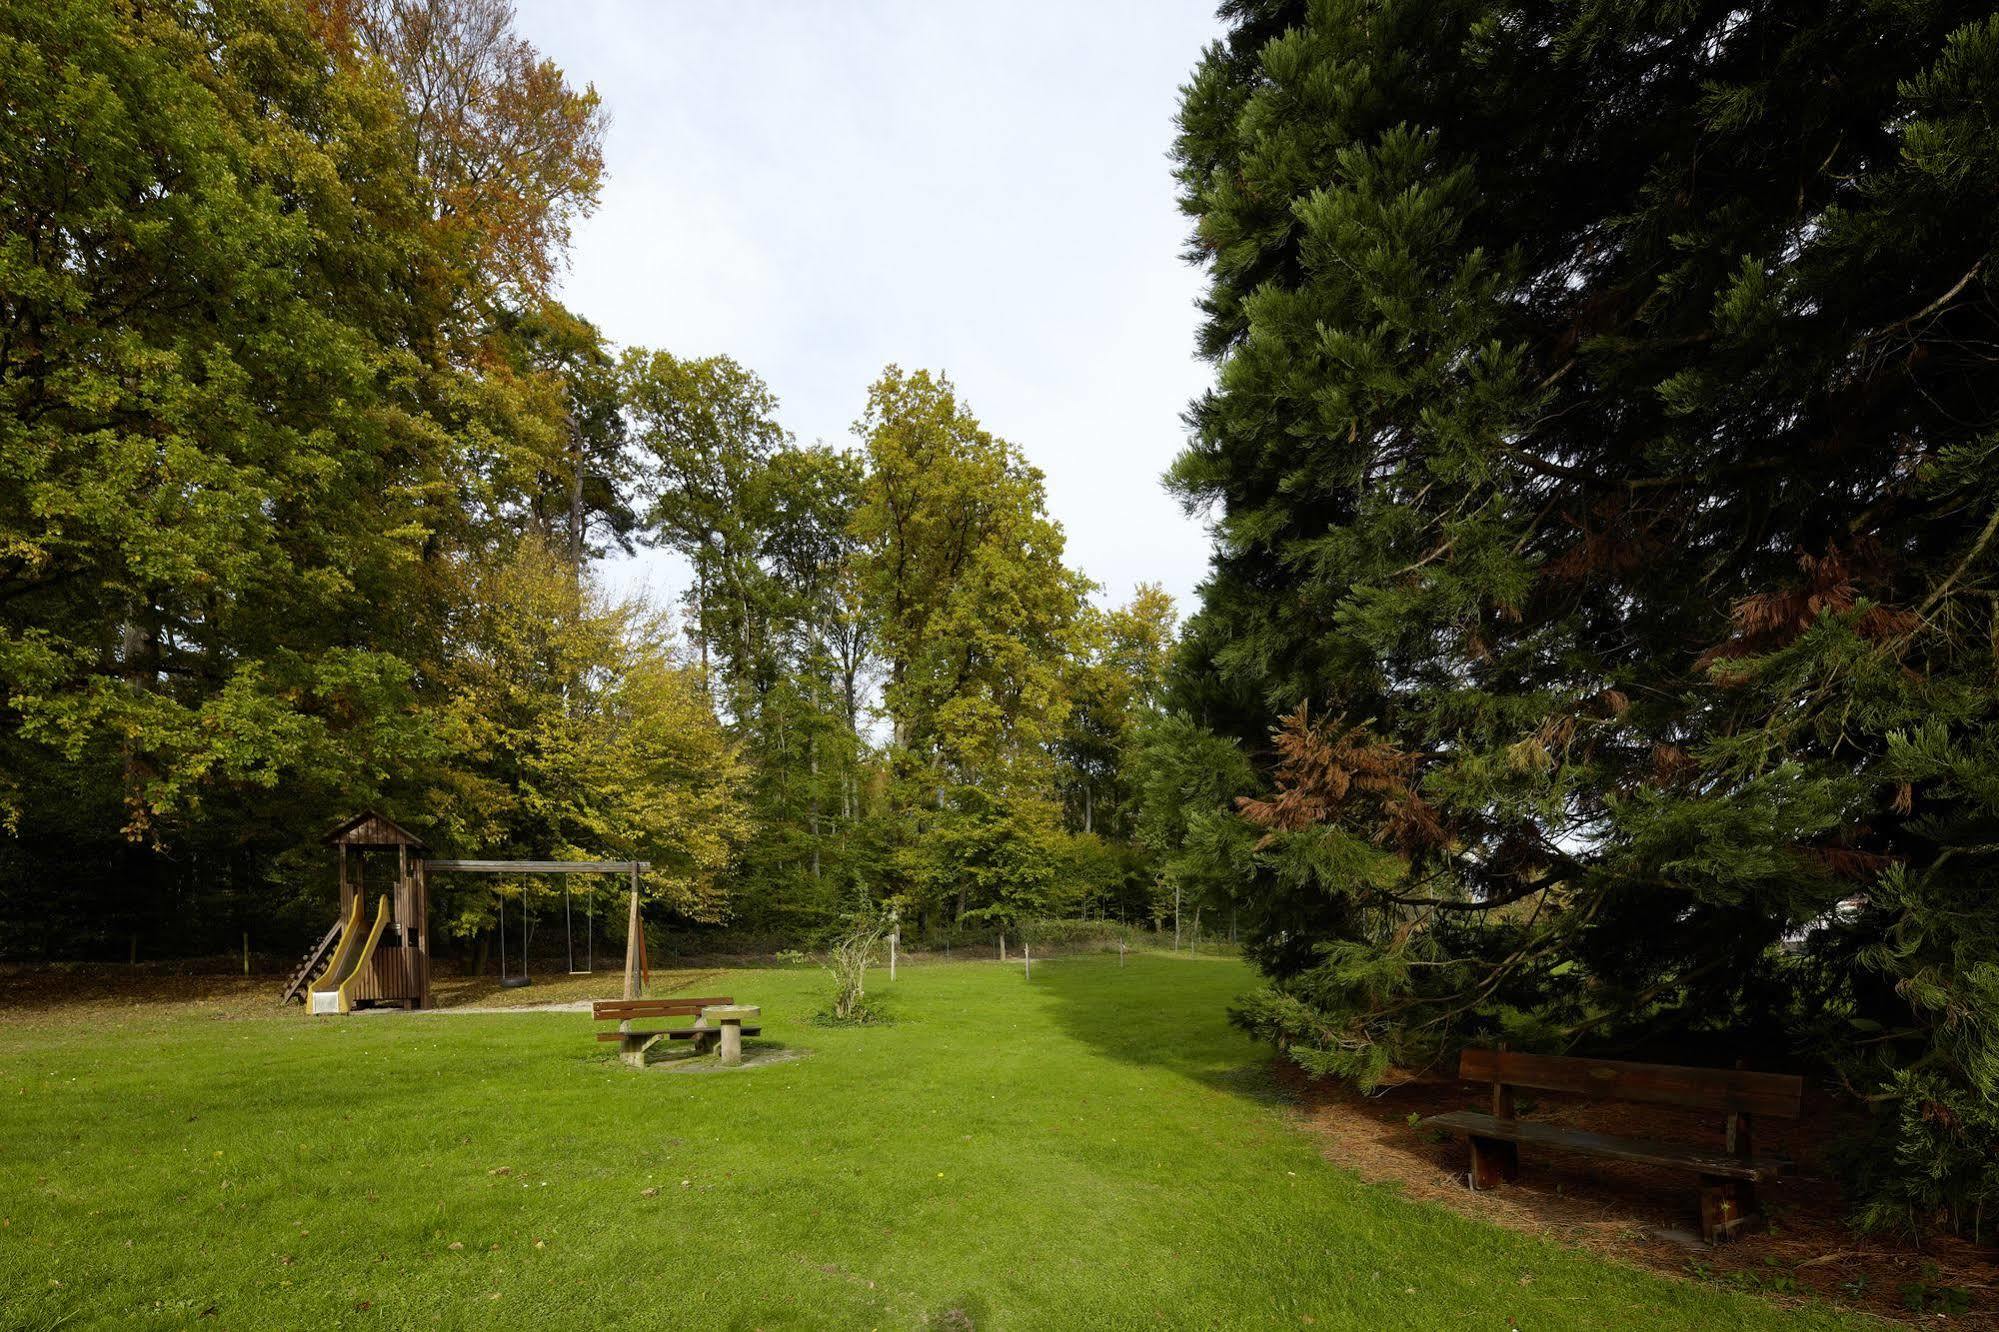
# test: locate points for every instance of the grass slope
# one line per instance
(1092, 1149)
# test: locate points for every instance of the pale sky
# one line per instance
(818, 189)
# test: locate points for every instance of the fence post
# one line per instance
(1027, 958)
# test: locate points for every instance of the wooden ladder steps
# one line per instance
(310, 961)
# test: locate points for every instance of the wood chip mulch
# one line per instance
(1644, 1215)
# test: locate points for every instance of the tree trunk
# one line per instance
(812, 765)
(701, 620)
(575, 498)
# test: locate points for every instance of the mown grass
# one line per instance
(1094, 1148)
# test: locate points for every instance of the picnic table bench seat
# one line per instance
(1728, 1176)
(1469, 1123)
(675, 1033)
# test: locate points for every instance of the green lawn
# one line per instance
(1095, 1148)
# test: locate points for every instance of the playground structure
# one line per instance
(386, 960)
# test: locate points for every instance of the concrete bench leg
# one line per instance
(1494, 1161)
(632, 1049)
(732, 1043)
(1728, 1208)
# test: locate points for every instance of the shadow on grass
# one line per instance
(756, 1054)
(1168, 1013)
(86, 989)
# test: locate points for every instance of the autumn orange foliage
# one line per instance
(1330, 770)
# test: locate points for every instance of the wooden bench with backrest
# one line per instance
(1728, 1177)
(633, 1043)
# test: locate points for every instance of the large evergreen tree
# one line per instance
(1602, 448)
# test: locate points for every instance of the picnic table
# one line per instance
(634, 1042)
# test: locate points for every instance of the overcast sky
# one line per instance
(818, 189)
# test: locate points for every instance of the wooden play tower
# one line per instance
(378, 956)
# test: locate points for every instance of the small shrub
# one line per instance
(852, 950)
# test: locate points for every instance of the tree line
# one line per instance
(305, 473)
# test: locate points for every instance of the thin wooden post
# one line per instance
(1002, 947)
(1027, 958)
(1732, 1203)
(246, 952)
(632, 1049)
(1495, 1161)
(1176, 917)
(420, 896)
(632, 947)
(1120, 952)
(894, 937)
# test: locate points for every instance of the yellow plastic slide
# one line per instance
(324, 994)
(367, 952)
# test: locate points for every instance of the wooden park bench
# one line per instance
(1728, 1178)
(633, 1043)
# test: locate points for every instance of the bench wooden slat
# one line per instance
(1730, 1090)
(1643, 1151)
(658, 1005)
(675, 1033)
(619, 1010)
